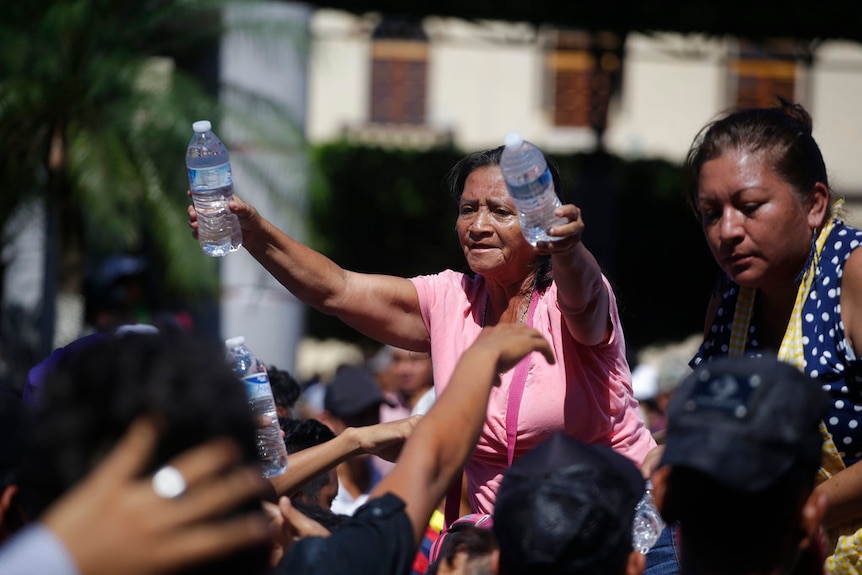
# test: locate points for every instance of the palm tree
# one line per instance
(96, 103)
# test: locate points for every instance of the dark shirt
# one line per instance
(377, 540)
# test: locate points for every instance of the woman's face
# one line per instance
(758, 229)
(488, 228)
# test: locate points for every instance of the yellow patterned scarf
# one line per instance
(791, 350)
(846, 557)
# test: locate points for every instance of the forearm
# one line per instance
(582, 295)
(309, 275)
(443, 440)
(306, 464)
(446, 436)
(462, 412)
(844, 494)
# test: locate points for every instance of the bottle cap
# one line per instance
(202, 126)
(513, 140)
(234, 341)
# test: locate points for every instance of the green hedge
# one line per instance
(385, 211)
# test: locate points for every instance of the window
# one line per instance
(399, 73)
(582, 71)
(760, 73)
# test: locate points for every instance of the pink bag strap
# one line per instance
(516, 392)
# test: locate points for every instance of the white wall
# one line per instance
(480, 87)
(339, 78)
(485, 79)
(671, 87)
(836, 107)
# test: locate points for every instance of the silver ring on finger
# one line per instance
(168, 482)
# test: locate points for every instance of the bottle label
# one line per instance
(257, 385)
(531, 192)
(210, 178)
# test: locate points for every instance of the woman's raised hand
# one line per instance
(569, 233)
(249, 217)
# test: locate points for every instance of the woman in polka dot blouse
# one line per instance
(791, 276)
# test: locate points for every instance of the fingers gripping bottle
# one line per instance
(252, 371)
(211, 184)
(531, 187)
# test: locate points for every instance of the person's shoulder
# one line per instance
(448, 284)
(852, 273)
(447, 275)
(381, 524)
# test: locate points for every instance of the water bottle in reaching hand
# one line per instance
(211, 184)
(531, 187)
(252, 371)
(648, 523)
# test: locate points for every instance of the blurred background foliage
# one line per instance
(97, 98)
(95, 103)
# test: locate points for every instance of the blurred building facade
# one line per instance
(391, 82)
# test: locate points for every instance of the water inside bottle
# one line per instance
(215, 232)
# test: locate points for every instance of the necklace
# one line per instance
(523, 312)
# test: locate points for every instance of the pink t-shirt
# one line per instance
(586, 394)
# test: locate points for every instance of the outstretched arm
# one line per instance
(446, 436)
(385, 308)
(307, 463)
(581, 292)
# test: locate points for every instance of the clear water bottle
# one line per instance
(531, 187)
(252, 371)
(211, 184)
(648, 523)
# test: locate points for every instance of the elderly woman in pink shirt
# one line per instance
(556, 287)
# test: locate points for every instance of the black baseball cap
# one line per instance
(745, 421)
(567, 506)
(351, 391)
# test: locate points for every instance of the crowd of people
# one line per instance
(506, 407)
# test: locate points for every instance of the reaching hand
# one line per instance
(651, 461)
(114, 522)
(249, 218)
(511, 342)
(290, 525)
(570, 232)
(382, 436)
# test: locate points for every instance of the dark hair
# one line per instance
(573, 520)
(285, 388)
(301, 434)
(760, 527)
(92, 394)
(782, 132)
(477, 542)
(326, 517)
(457, 178)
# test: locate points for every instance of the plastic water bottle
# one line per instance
(648, 523)
(252, 371)
(211, 184)
(531, 187)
